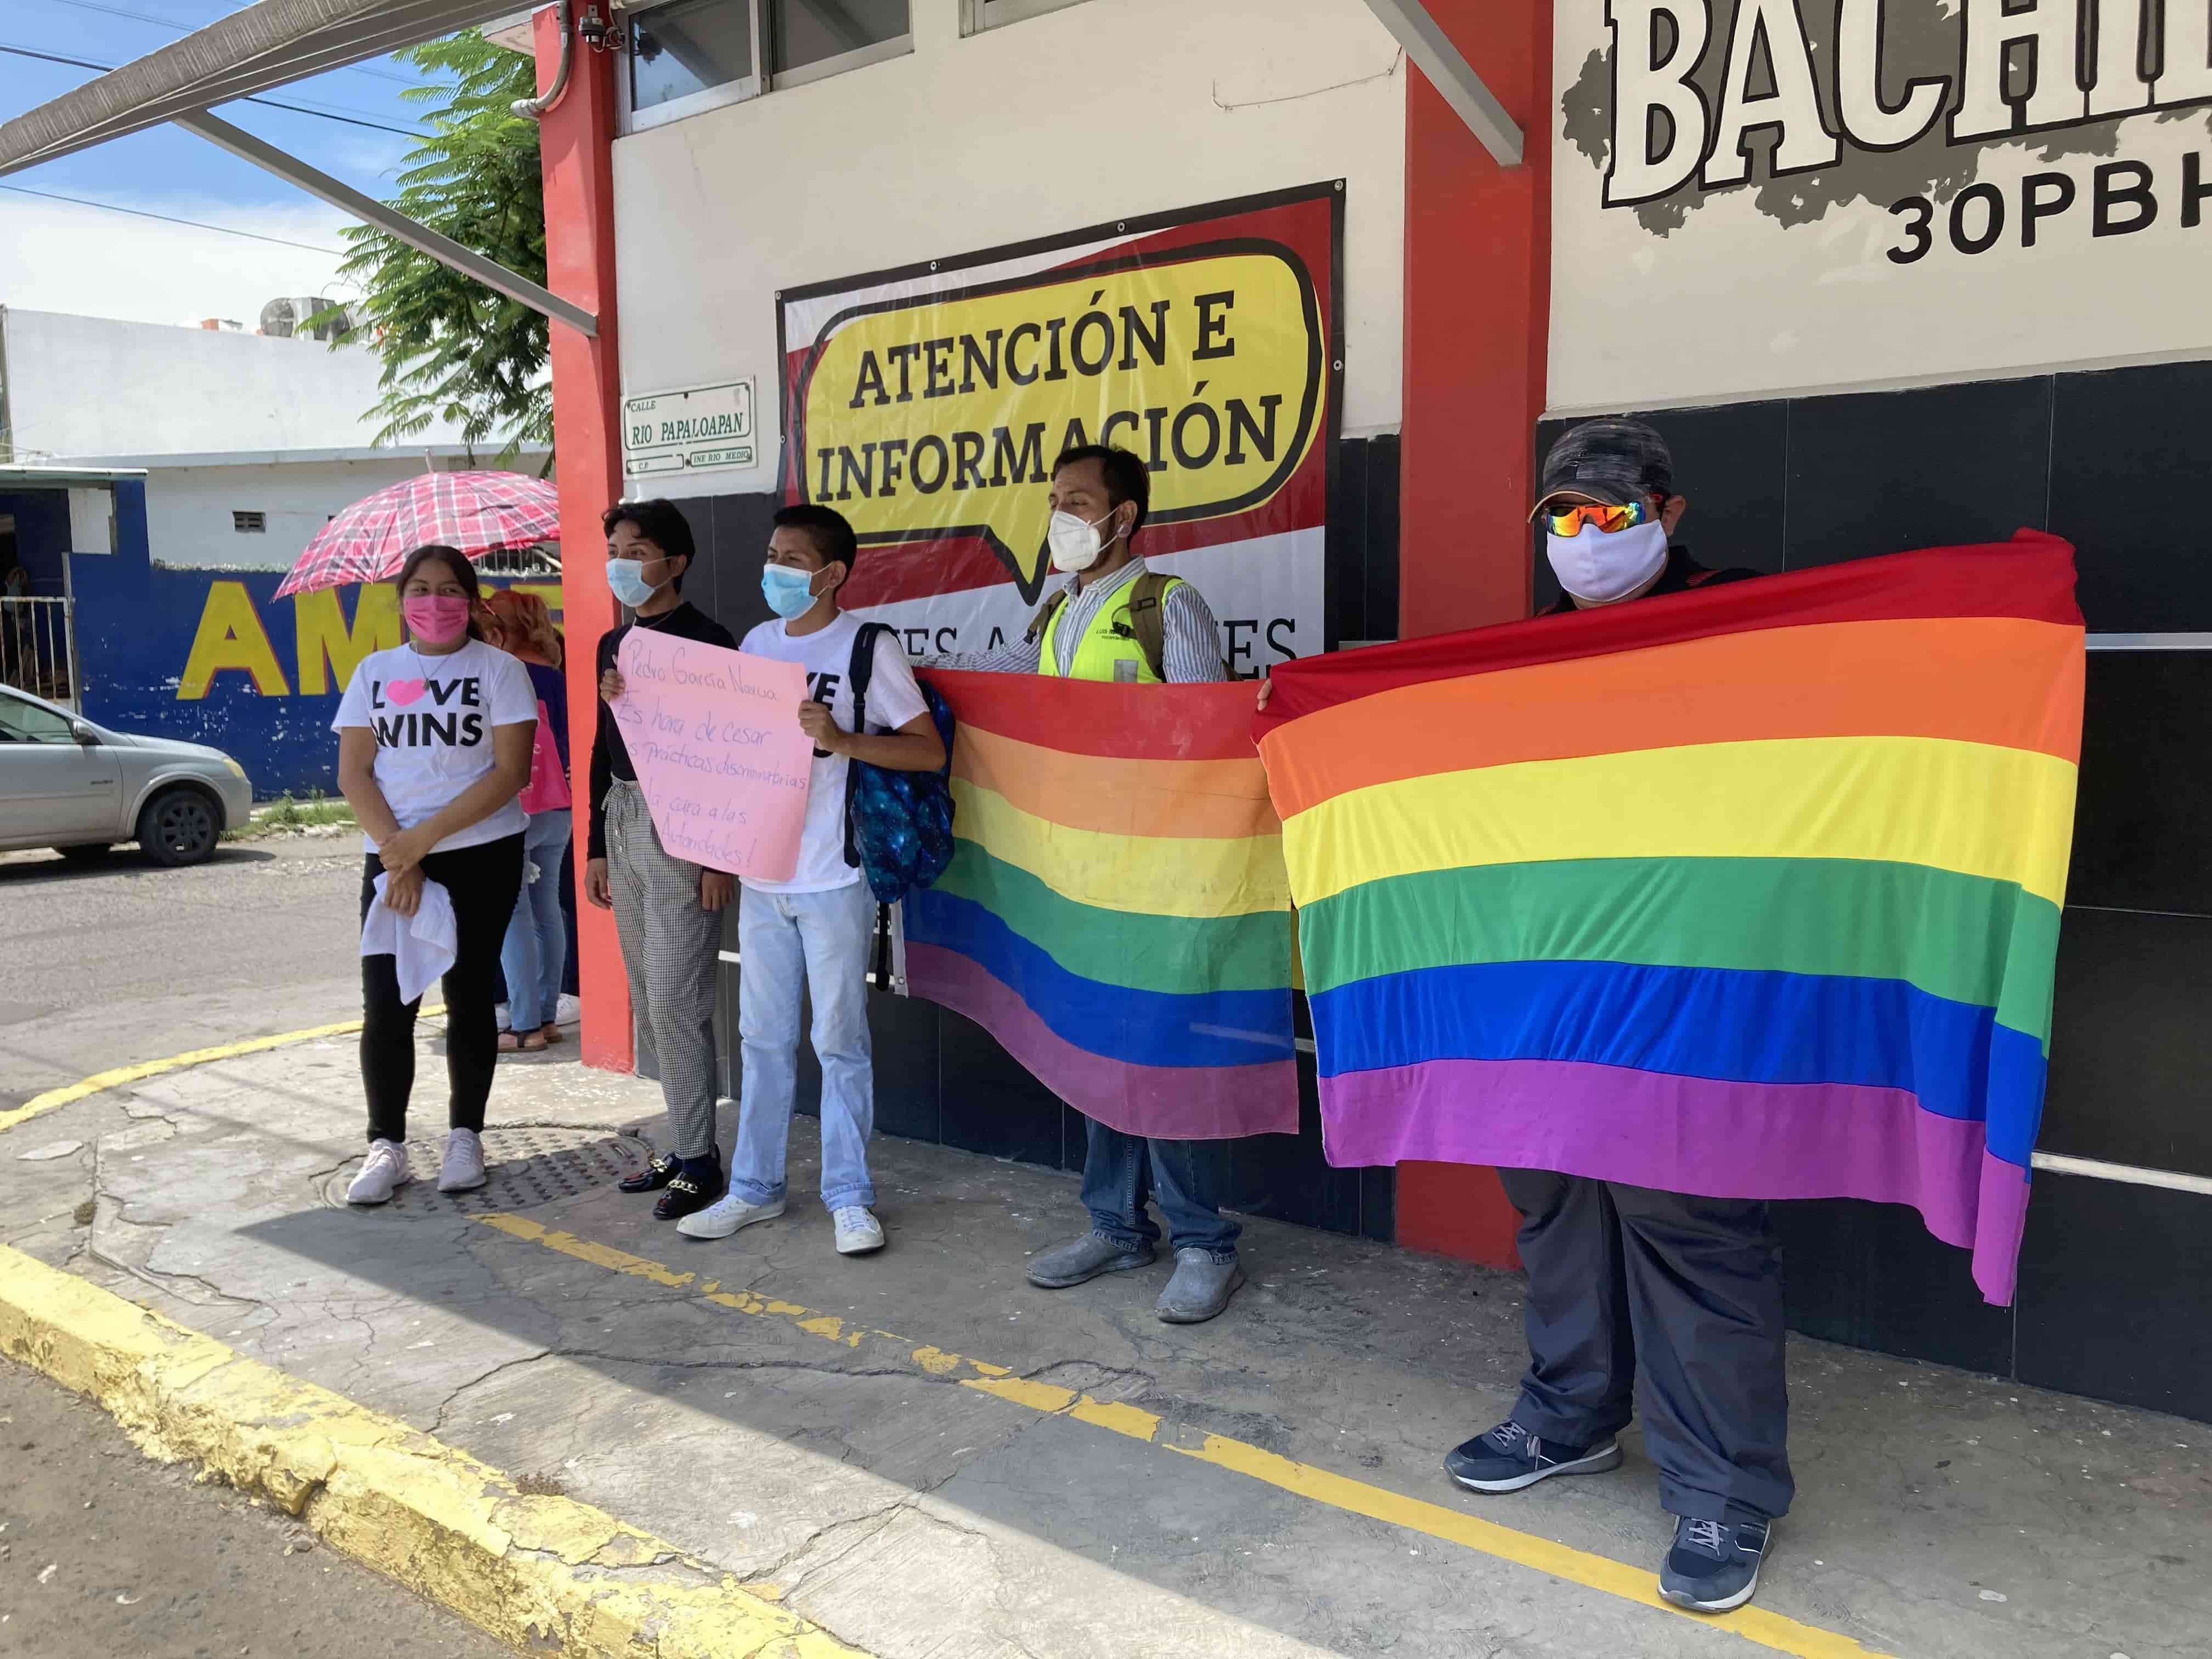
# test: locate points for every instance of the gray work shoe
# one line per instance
(1086, 1258)
(1202, 1288)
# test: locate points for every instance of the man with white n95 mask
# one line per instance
(1118, 621)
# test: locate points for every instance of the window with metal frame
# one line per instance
(250, 524)
(982, 15)
(680, 52)
(686, 56)
(821, 37)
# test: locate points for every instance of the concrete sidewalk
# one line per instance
(1020, 1472)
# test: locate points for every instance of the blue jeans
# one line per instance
(817, 943)
(1120, 1171)
(536, 947)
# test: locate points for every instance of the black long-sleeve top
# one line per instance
(610, 755)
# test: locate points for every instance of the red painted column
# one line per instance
(576, 146)
(1478, 302)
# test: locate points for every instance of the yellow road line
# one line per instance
(1592, 1572)
(537, 1571)
(138, 1073)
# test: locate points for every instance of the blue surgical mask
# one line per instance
(626, 581)
(790, 593)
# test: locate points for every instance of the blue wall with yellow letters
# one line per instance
(215, 657)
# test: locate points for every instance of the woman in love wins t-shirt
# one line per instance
(434, 746)
(432, 717)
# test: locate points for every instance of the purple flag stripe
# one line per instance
(1188, 1103)
(1688, 1134)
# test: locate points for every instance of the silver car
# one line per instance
(70, 784)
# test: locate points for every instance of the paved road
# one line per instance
(109, 1556)
(100, 967)
(106, 965)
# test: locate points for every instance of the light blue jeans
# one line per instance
(536, 947)
(817, 942)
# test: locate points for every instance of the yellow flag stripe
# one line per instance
(1975, 809)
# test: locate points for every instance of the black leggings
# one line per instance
(481, 881)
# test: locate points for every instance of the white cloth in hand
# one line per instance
(423, 945)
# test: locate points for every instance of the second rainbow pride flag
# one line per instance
(1751, 892)
(1116, 913)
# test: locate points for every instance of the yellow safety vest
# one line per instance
(1108, 639)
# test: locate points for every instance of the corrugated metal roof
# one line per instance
(250, 50)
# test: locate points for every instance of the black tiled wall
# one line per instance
(2098, 459)
(2116, 1286)
(940, 1077)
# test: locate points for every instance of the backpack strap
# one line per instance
(1042, 620)
(1148, 618)
(858, 673)
(862, 668)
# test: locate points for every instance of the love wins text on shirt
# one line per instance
(427, 727)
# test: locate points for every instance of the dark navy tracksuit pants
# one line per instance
(1682, 1295)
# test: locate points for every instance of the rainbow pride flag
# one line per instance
(1116, 913)
(1751, 892)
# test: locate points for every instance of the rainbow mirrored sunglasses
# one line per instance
(1568, 518)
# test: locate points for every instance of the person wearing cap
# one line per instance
(1627, 1286)
(1609, 510)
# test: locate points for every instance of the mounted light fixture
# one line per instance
(598, 33)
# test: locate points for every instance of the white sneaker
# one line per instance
(568, 1010)
(859, 1233)
(384, 1174)
(725, 1215)
(463, 1171)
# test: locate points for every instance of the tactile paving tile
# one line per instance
(525, 1165)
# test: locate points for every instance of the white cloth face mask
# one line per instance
(1600, 568)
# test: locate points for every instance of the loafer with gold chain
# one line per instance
(701, 1183)
(655, 1175)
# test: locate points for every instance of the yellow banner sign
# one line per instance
(938, 416)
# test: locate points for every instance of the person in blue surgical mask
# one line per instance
(668, 912)
(811, 934)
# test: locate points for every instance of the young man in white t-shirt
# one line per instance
(812, 932)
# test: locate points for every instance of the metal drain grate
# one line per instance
(525, 1165)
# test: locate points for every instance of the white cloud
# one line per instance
(93, 263)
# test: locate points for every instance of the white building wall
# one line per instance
(80, 387)
(188, 508)
(1106, 109)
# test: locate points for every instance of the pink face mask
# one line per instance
(436, 618)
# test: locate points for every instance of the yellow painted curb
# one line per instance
(70, 1092)
(548, 1574)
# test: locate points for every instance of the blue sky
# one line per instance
(55, 257)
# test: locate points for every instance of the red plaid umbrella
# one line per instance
(479, 513)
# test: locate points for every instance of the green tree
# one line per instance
(451, 348)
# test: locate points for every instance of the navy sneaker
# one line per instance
(1714, 1564)
(1508, 1457)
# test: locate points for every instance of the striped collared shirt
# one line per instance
(1190, 647)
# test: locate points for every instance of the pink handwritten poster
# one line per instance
(715, 738)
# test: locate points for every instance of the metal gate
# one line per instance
(37, 647)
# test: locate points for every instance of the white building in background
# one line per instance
(251, 442)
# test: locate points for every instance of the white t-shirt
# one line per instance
(433, 717)
(893, 700)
